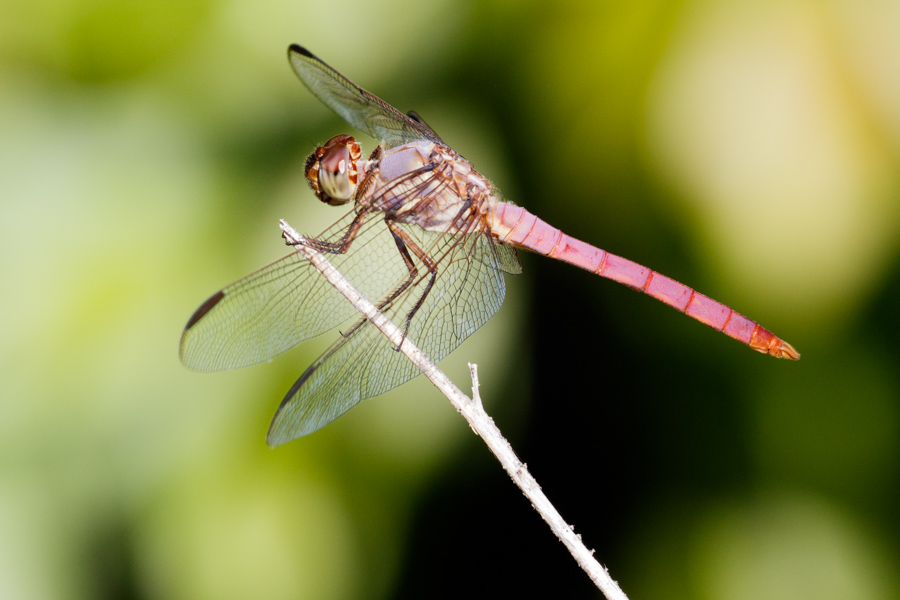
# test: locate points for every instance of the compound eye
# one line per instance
(334, 174)
(332, 170)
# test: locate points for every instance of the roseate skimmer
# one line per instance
(428, 237)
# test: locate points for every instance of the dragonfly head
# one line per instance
(331, 170)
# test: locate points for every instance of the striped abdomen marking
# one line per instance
(516, 226)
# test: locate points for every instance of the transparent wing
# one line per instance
(468, 290)
(275, 308)
(509, 260)
(422, 124)
(363, 110)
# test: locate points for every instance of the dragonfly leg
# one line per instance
(401, 236)
(405, 244)
(403, 241)
(342, 245)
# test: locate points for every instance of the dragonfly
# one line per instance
(428, 237)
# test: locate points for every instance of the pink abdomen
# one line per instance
(516, 226)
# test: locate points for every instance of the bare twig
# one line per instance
(480, 422)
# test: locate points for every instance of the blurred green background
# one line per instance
(748, 149)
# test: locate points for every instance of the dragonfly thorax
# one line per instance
(332, 170)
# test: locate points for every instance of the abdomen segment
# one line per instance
(516, 226)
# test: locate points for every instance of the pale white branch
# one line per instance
(473, 411)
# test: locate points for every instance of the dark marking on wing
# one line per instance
(204, 309)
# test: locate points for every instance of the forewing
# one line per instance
(468, 291)
(423, 125)
(363, 110)
(282, 304)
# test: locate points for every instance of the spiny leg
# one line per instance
(404, 242)
(463, 221)
(342, 245)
